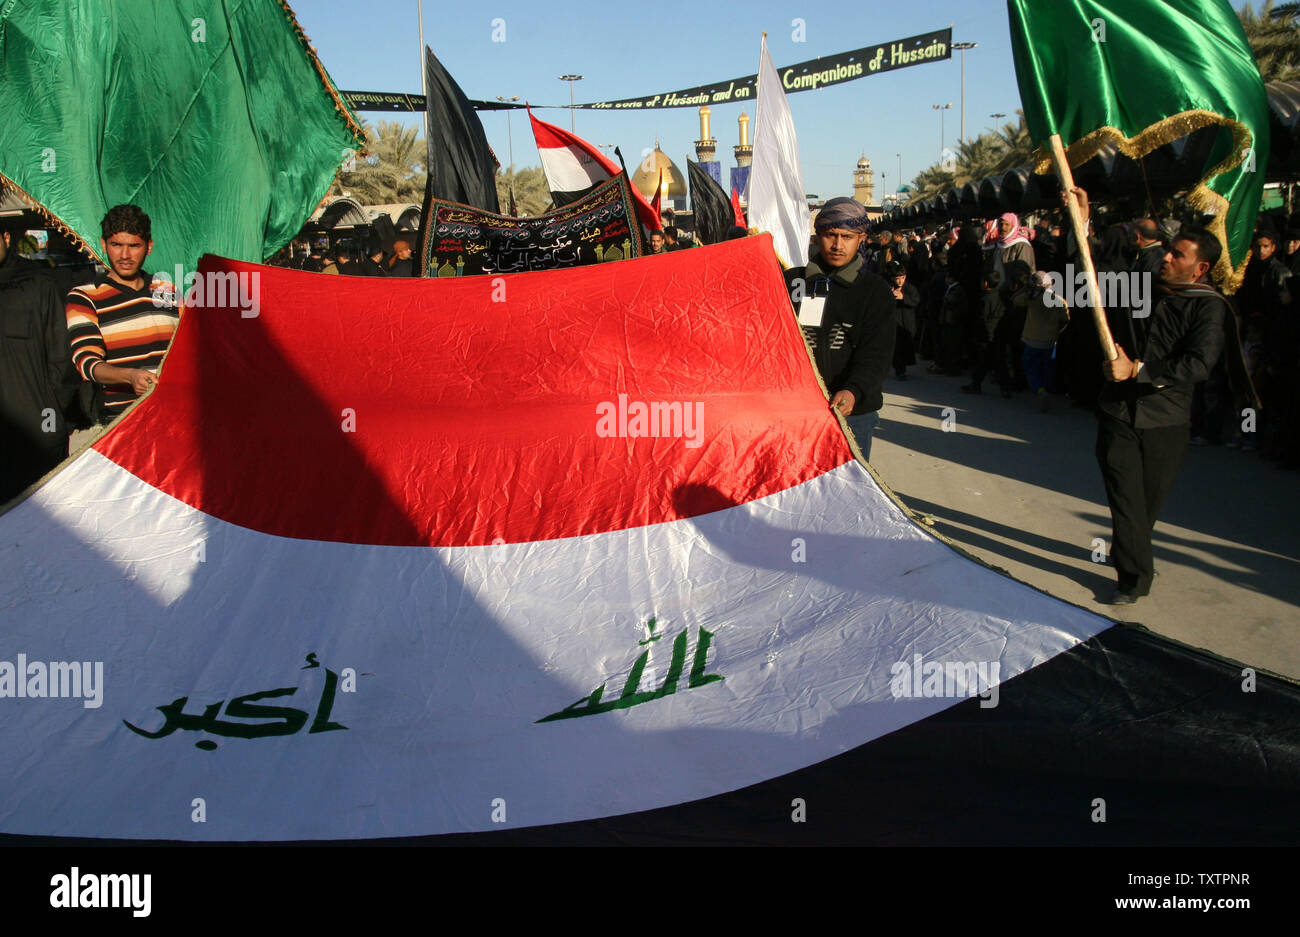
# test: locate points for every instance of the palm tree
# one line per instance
(976, 159)
(532, 194)
(931, 181)
(392, 170)
(1016, 144)
(1274, 37)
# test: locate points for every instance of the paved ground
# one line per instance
(1021, 490)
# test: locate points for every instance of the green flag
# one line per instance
(214, 116)
(1142, 73)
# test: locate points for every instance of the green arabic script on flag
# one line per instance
(214, 116)
(1142, 73)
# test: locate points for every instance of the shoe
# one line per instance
(1199, 441)
(970, 389)
(1042, 400)
(1123, 598)
(1006, 394)
(1248, 446)
(902, 377)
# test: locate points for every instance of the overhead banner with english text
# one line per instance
(576, 553)
(822, 72)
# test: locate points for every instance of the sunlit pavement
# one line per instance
(1021, 490)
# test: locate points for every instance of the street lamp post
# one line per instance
(509, 134)
(900, 169)
(941, 108)
(571, 79)
(962, 47)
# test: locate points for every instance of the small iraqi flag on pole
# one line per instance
(573, 167)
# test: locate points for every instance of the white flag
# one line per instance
(777, 203)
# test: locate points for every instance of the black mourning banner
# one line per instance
(805, 76)
(597, 228)
(385, 101)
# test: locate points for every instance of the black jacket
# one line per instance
(1262, 287)
(1178, 345)
(905, 313)
(38, 385)
(855, 342)
(1149, 260)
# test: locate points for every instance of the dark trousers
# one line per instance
(991, 357)
(1138, 467)
(1211, 399)
(949, 356)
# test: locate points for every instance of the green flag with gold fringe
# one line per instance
(214, 116)
(1141, 73)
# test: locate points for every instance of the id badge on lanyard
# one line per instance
(812, 310)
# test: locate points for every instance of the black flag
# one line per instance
(712, 207)
(461, 163)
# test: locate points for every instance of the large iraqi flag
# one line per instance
(568, 555)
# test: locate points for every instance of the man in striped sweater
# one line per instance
(120, 324)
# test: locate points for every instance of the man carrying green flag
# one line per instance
(1142, 73)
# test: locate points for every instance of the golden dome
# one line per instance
(645, 179)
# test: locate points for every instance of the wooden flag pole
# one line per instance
(1085, 252)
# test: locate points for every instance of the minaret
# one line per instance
(744, 159)
(706, 147)
(744, 152)
(864, 185)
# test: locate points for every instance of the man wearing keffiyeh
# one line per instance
(847, 316)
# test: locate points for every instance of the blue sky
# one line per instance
(629, 50)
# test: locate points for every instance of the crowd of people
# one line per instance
(976, 298)
(368, 257)
(983, 298)
(1180, 363)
